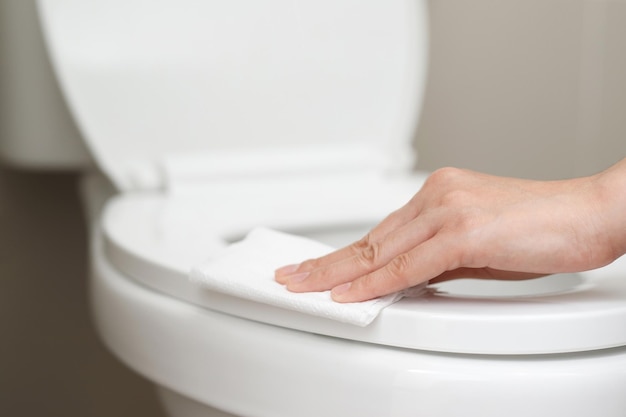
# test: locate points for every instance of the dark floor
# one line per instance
(51, 361)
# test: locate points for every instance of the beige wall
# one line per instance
(533, 88)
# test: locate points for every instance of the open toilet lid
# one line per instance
(185, 77)
(156, 239)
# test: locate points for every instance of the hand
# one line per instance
(464, 224)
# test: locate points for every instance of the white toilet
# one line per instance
(214, 117)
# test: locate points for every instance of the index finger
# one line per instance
(392, 222)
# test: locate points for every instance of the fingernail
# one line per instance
(340, 289)
(294, 279)
(287, 269)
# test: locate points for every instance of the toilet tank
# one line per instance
(36, 129)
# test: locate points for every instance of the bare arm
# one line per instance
(467, 224)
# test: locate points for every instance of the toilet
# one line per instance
(207, 119)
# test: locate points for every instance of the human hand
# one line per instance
(464, 224)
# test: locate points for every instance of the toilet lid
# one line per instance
(185, 77)
(155, 240)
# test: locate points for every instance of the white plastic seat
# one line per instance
(155, 239)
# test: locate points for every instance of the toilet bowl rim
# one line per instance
(578, 321)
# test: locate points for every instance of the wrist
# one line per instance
(610, 192)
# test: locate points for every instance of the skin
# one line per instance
(464, 224)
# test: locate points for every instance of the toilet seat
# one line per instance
(255, 369)
(155, 239)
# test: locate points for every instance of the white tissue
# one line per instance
(246, 269)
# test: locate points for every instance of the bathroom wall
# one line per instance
(533, 88)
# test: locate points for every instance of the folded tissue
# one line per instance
(245, 269)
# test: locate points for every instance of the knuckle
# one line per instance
(309, 265)
(362, 244)
(448, 187)
(399, 267)
(370, 255)
(443, 176)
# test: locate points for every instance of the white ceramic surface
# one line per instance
(157, 239)
(149, 82)
(255, 369)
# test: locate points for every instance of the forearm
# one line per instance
(611, 195)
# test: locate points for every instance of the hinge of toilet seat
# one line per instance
(202, 168)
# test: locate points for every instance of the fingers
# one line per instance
(368, 257)
(430, 259)
(391, 223)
